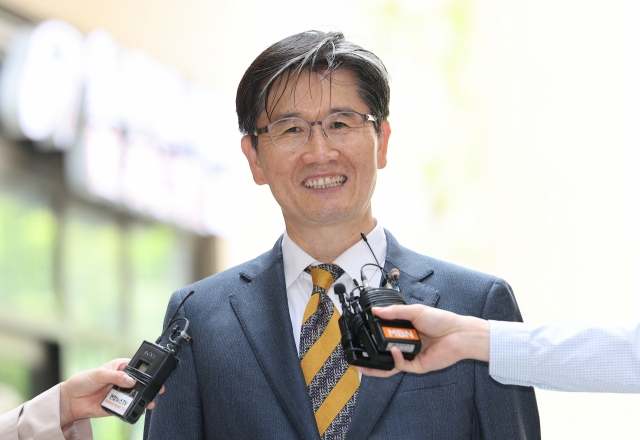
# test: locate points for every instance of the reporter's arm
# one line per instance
(567, 356)
(63, 412)
(39, 418)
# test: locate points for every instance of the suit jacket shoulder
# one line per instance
(219, 287)
(458, 289)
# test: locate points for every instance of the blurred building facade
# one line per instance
(82, 279)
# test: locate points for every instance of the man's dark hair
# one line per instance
(321, 52)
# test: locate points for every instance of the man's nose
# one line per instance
(320, 148)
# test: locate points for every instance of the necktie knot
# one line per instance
(324, 275)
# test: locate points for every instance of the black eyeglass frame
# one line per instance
(267, 128)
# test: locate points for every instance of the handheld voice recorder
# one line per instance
(367, 339)
(150, 367)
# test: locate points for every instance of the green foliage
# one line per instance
(27, 239)
(156, 273)
(17, 376)
(92, 275)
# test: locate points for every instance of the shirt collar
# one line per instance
(295, 259)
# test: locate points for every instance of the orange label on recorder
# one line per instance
(400, 333)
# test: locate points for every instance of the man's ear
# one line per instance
(383, 142)
(252, 157)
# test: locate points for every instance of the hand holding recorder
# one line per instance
(446, 339)
(82, 394)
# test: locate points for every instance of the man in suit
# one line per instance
(266, 361)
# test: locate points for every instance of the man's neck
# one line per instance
(325, 243)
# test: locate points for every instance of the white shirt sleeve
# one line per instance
(39, 419)
(566, 357)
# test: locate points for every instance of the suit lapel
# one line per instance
(374, 394)
(262, 309)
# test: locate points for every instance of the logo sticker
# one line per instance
(117, 402)
(400, 333)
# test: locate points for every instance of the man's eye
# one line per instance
(338, 125)
(293, 130)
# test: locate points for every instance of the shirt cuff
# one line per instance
(9, 424)
(508, 352)
(78, 430)
(40, 417)
(40, 420)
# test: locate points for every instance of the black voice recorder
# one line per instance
(150, 367)
(367, 339)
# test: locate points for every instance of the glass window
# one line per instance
(27, 241)
(158, 262)
(93, 279)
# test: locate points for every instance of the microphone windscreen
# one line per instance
(339, 289)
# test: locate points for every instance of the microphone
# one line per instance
(394, 274)
(340, 290)
(365, 281)
(364, 238)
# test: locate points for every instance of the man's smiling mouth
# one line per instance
(327, 182)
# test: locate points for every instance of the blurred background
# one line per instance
(515, 151)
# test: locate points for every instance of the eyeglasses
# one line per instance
(343, 128)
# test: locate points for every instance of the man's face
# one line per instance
(293, 176)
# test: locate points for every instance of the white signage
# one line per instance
(135, 133)
(41, 84)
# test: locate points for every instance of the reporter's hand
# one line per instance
(82, 394)
(446, 339)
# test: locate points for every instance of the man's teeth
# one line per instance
(325, 183)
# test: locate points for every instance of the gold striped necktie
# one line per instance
(331, 382)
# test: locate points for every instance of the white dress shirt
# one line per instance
(298, 282)
(566, 356)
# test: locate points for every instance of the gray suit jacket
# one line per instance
(241, 377)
